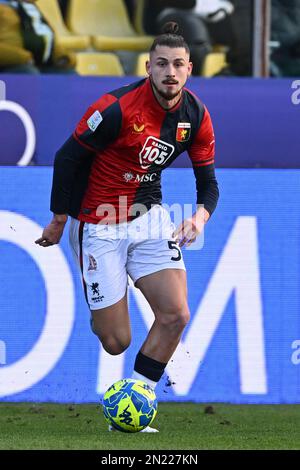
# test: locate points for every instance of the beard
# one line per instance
(168, 95)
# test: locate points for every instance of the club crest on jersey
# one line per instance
(94, 121)
(183, 131)
(155, 151)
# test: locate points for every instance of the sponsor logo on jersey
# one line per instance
(94, 121)
(144, 178)
(128, 176)
(138, 129)
(155, 151)
(92, 263)
(183, 131)
(137, 123)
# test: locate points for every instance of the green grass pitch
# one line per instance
(181, 425)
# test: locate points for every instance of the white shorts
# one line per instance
(107, 254)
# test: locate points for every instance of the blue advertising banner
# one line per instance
(256, 121)
(242, 344)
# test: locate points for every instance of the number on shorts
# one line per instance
(173, 246)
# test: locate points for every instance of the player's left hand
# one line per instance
(187, 232)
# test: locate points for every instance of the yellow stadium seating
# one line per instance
(108, 24)
(213, 63)
(140, 69)
(138, 16)
(98, 63)
(51, 11)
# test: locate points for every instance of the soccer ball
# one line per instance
(129, 405)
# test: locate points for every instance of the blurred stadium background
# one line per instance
(242, 345)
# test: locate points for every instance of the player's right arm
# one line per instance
(99, 126)
(52, 233)
(66, 162)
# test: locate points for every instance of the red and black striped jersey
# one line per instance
(130, 139)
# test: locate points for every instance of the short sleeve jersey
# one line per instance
(132, 139)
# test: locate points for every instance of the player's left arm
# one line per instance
(202, 153)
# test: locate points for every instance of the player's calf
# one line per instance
(112, 326)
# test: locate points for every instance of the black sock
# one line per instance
(148, 367)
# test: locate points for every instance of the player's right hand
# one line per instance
(51, 234)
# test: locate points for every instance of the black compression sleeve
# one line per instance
(67, 161)
(207, 187)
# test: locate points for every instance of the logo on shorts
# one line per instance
(183, 131)
(95, 288)
(96, 293)
(92, 263)
(155, 151)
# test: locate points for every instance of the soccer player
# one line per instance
(107, 178)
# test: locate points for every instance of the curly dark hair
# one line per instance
(170, 37)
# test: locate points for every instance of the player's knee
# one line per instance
(115, 346)
(175, 317)
(182, 318)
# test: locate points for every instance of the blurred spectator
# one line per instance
(27, 43)
(202, 23)
(191, 26)
(235, 32)
(213, 10)
(285, 31)
(152, 8)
